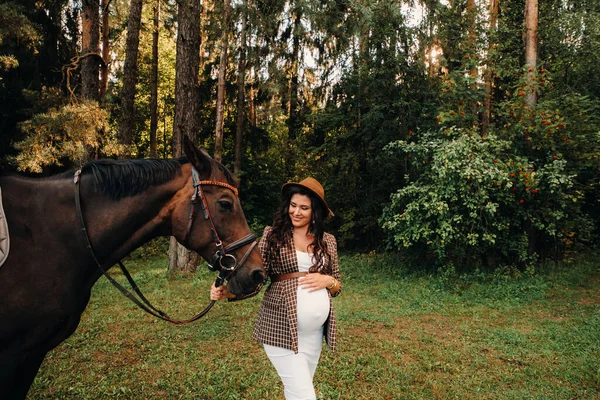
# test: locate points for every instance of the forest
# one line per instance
(461, 133)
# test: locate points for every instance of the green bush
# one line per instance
(510, 197)
(459, 208)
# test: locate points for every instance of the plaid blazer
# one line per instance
(277, 323)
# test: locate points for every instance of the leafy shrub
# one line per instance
(509, 197)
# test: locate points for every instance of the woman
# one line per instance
(302, 263)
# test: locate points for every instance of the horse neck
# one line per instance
(117, 227)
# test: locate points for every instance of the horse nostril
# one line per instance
(258, 276)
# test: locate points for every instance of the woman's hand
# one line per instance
(315, 281)
(220, 293)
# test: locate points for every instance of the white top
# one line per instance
(305, 260)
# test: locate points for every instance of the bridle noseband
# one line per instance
(223, 261)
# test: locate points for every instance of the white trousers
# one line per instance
(297, 370)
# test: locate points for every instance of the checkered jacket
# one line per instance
(277, 323)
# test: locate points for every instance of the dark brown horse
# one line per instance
(46, 281)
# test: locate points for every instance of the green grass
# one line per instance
(401, 336)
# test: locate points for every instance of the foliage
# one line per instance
(379, 98)
(166, 86)
(505, 198)
(330, 84)
(454, 203)
(522, 191)
(37, 39)
(15, 30)
(63, 135)
(261, 181)
(561, 138)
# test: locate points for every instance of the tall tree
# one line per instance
(207, 6)
(251, 100)
(154, 80)
(221, 84)
(293, 87)
(105, 47)
(90, 58)
(297, 34)
(130, 73)
(489, 72)
(531, 48)
(473, 53)
(241, 101)
(186, 121)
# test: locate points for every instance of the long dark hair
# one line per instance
(281, 233)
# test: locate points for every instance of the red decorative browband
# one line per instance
(222, 184)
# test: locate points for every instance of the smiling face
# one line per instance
(300, 211)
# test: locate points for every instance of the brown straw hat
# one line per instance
(313, 186)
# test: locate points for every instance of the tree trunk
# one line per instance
(241, 101)
(290, 158)
(361, 63)
(472, 37)
(531, 42)
(293, 88)
(251, 103)
(154, 82)
(428, 46)
(105, 48)
(186, 120)
(471, 18)
(130, 72)
(205, 18)
(90, 38)
(489, 73)
(221, 85)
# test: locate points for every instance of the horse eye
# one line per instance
(225, 205)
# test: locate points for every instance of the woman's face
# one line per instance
(300, 210)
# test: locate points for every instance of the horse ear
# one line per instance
(198, 157)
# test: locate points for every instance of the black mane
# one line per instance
(123, 178)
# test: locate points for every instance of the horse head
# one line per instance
(215, 226)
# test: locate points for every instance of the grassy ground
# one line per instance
(402, 336)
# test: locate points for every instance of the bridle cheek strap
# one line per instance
(198, 192)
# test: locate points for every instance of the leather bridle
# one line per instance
(223, 261)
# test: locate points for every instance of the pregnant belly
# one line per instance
(313, 309)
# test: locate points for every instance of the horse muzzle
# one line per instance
(226, 263)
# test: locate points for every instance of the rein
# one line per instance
(222, 261)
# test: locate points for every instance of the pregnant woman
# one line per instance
(297, 312)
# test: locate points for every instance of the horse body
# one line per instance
(46, 281)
